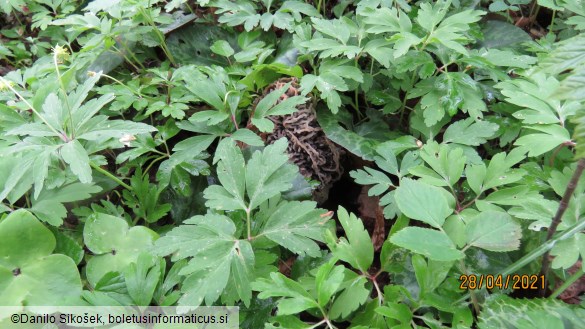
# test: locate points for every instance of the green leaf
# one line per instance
(216, 257)
(352, 297)
(469, 132)
(49, 206)
(99, 129)
(494, 231)
(423, 202)
(141, 279)
(272, 105)
(297, 298)
(536, 95)
(433, 244)
(267, 174)
(294, 225)
(327, 281)
(475, 176)
(76, 156)
(248, 137)
(502, 311)
(357, 249)
(144, 198)
(447, 161)
(567, 55)
(231, 174)
(29, 273)
(114, 244)
(356, 144)
(566, 253)
(500, 34)
(222, 48)
(537, 144)
(429, 276)
(499, 170)
(397, 311)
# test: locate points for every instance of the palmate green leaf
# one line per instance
(100, 128)
(429, 275)
(270, 105)
(294, 225)
(569, 54)
(537, 144)
(383, 20)
(142, 278)
(368, 176)
(398, 311)
(493, 231)
(336, 28)
(328, 280)
(222, 48)
(247, 136)
(210, 90)
(353, 295)
(567, 252)
(499, 171)
(446, 161)
(448, 93)
(9, 6)
(297, 298)
(48, 206)
(423, 202)
(433, 244)
(144, 198)
(537, 94)
(231, 174)
(267, 174)
(19, 168)
(470, 132)
(76, 156)
(328, 85)
(357, 248)
(450, 31)
(237, 13)
(216, 257)
(429, 16)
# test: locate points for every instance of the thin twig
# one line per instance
(557, 219)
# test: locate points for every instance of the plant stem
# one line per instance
(248, 223)
(110, 175)
(576, 276)
(378, 291)
(152, 163)
(558, 216)
(5, 82)
(160, 36)
(62, 85)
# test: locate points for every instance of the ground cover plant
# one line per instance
(320, 164)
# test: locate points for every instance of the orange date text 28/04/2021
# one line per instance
(514, 281)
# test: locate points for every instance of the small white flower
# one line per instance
(126, 139)
(11, 103)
